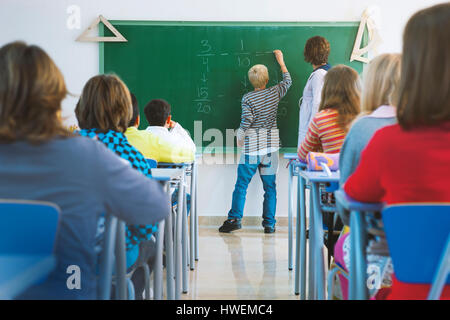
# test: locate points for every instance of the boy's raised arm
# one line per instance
(285, 84)
(280, 59)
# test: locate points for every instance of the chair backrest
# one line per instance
(152, 163)
(28, 227)
(416, 236)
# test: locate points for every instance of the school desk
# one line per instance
(174, 245)
(192, 171)
(160, 240)
(358, 240)
(300, 239)
(293, 158)
(316, 259)
(194, 212)
(21, 271)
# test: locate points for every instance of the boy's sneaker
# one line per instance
(269, 229)
(230, 225)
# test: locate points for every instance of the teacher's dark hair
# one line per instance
(317, 50)
(424, 95)
(31, 91)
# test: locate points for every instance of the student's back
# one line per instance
(158, 114)
(41, 160)
(153, 146)
(405, 166)
(338, 107)
(408, 162)
(84, 179)
(381, 82)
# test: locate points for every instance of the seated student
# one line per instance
(388, 170)
(103, 113)
(157, 148)
(153, 146)
(381, 82)
(339, 105)
(160, 122)
(41, 160)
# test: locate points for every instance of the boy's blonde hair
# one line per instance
(381, 82)
(258, 75)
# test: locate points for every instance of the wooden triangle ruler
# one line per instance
(84, 37)
(374, 38)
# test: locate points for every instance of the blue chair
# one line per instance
(419, 259)
(27, 237)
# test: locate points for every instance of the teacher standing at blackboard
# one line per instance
(316, 52)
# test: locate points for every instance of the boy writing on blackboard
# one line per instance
(258, 135)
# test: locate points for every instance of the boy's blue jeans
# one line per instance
(267, 165)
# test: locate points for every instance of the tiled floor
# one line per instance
(245, 264)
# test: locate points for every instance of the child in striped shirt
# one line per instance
(258, 135)
(338, 108)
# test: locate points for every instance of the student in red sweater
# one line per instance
(409, 161)
(339, 105)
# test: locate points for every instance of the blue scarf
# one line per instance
(325, 67)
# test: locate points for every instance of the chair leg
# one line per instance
(147, 280)
(121, 285)
(441, 274)
(330, 240)
(331, 278)
(130, 286)
(158, 262)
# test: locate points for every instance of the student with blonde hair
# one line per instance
(258, 136)
(380, 90)
(380, 93)
(41, 160)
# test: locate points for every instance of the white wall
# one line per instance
(43, 22)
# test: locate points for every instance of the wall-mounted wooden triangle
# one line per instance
(374, 38)
(86, 38)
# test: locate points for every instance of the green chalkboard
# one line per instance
(200, 68)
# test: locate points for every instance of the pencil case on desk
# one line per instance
(314, 160)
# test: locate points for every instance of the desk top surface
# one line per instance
(19, 272)
(173, 165)
(290, 156)
(352, 205)
(169, 172)
(320, 176)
